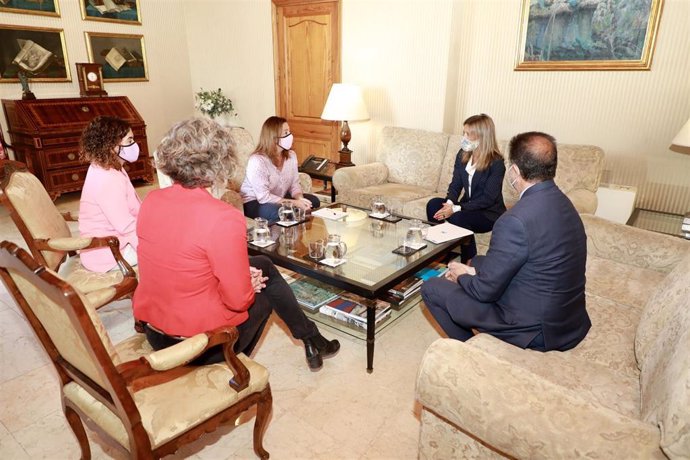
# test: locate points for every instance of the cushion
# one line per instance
(448, 164)
(85, 280)
(624, 283)
(174, 407)
(413, 156)
(395, 195)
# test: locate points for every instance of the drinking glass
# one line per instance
(316, 249)
(261, 232)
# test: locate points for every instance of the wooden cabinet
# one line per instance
(45, 135)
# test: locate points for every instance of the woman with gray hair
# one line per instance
(194, 271)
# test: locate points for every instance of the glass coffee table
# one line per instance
(371, 267)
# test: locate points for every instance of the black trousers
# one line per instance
(276, 296)
(471, 220)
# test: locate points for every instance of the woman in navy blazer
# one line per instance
(478, 171)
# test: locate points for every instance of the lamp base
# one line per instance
(345, 159)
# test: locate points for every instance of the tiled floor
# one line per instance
(340, 412)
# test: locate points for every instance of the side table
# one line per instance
(657, 221)
(325, 174)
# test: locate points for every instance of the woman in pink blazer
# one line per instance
(109, 205)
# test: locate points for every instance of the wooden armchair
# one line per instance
(49, 239)
(150, 403)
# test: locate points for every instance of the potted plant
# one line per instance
(216, 105)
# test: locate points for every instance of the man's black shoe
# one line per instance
(313, 354)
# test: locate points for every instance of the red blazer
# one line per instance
(193, 262)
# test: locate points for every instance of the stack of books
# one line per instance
(312, 294)
(346, 309)
(685, 228)
(401, 292)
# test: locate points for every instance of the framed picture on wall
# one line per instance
(42, 7)
(38, 52)
(588, 35)
(124, 11)
(122, 56)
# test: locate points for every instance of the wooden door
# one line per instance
(306, 44)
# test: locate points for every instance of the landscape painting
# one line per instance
(124, 11)
(123, 57)
(42, 7)
(588, 34)
(39, 53)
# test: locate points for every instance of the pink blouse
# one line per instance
(265, 183)
(108, 206)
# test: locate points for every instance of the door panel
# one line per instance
(307, 55)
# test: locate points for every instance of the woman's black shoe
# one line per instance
(316, 348)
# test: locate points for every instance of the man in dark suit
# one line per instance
(529, 289)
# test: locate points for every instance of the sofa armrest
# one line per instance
(520, 414)
(633, 246)
(356, 177)
(305, 182)
(585, 201)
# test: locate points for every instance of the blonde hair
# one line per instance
(197, 153)
(268, 139)
(483, 127)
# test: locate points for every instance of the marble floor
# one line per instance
(340, 412)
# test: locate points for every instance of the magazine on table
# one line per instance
(345, 308)
(311, 294)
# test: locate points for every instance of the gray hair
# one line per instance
(197, 153)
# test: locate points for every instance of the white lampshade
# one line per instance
(345, 103)
(682, 139)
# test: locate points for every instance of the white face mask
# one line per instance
(468, 145)
(516, 175)
(285, 143)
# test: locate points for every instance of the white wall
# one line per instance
(164, 99)
(232, 49)
(632, 115)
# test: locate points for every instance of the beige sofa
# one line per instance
(412, 166)
(245, 146)
(624, 392)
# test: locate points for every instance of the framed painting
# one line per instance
(122, 56)
(42, 7)
(588, 34)
(124, 11)
(38, 52)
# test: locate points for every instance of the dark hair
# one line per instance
(99, 139)
(535, 154)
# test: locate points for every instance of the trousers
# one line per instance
(471, 220)
(276, 296)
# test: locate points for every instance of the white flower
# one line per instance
(213, 103)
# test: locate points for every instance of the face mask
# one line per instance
(515, 179)
(285, 142)
(467, 145)
(129, 153)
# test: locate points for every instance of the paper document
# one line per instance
(446, 232)
(329, 213)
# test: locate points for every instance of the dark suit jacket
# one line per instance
(487, 188)
(534, 273)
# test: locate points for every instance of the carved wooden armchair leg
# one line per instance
(78, 429)
(263, 412)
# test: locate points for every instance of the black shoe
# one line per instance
(327, 348)
(313, 354)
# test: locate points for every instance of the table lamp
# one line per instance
(345, 103)
(682, 139)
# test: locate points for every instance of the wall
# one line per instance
(164, 99)
(632, 115)
(401, 67)
(236, 55)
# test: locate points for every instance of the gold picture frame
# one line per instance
(39, 51)
(38, 7)
(123, 56)
(132, 15)
(587, 36)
